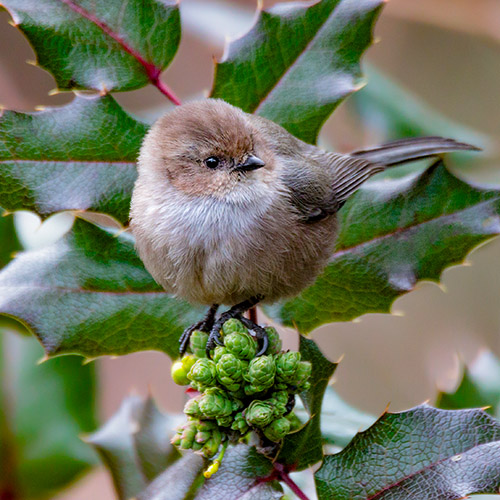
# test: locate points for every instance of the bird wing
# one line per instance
(349, 173)
(321, 182)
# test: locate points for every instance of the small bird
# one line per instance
(230, 208)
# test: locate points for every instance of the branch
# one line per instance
(152, 71)
(281, 474)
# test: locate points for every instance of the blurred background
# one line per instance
(435, 69)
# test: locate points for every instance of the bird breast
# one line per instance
(225, 250)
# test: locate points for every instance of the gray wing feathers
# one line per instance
(397, 152)
(349, 173)
(321, 182)
(352, 170)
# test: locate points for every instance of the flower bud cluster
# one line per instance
(238, 392)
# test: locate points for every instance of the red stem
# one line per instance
(289, 482)
(152, 71)
(282, 474)
(252, 314)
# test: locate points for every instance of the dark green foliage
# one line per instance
(135, 446)
(239, 478)
(479, 387)
(78, 157)
(104, 46)
(298, 62)
(422, 453)
(44, 408)
(89, 294)
(304, 447)
(395, 232)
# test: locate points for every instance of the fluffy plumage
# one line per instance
(222, 235)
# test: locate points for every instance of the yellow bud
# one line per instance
(212, 469)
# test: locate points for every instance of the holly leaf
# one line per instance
(393, 112)
(479, 387)
(89, 294)
(135, 445)
(340, 422)
(305, 447)
(298, 62)
(44, 408)
(9, 246)
(422, 453)
(240, 477)
(103, 46)
(178, 482)
(77, 157)
(9, 243)
(393, 233)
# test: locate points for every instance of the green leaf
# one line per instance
(89, 294)
(178, 481)
(135, 445)
(305, 447)
(393, 233)
(298, 62)
(103, 46)
(340, 422)
(77, 157)
(393, 112)
(479, 387)
(44, 410)
(9, 243)
(152, 439)
(240, 477)
(422, 453)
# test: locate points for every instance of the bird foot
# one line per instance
(205, 325)
(255, 330)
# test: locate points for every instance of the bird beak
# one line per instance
(251, 163)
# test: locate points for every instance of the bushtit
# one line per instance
(230, 208)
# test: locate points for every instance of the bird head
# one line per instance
(206, 148)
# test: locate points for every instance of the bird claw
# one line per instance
(205, 325)
(258, 332)
(215, 337)
(186, 335)
(214, 327)
(255, 330)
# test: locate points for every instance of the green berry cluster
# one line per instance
(238, 391)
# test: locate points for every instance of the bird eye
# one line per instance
(212, 162)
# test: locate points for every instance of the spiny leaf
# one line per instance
(305, 447)
(40, 451)
(134, 444)
(44, 410)
(77, 157)
(240, 477)
(103, 46)
(394, 113)
(393, 233)
(89, 294)
(298, 62)
(479, 387)
(422, 453)
(178, 481)
(340, 422)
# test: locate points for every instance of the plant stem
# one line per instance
(283, 476)
(252, 314)
(152, 71)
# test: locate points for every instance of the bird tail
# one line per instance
(405, 150)
(354, 169)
